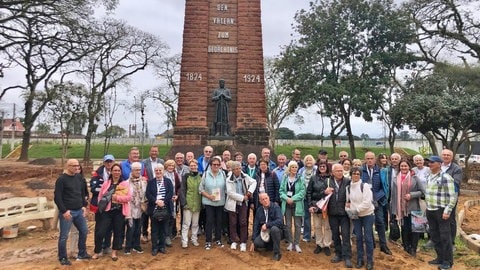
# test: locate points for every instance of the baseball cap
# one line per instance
(322, 152)
(435, 159)
(108, 157)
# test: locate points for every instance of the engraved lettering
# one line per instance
(223, 35)
(193, 76)
(222, 49)
(225, 21)
(222, 7)
(252, 78)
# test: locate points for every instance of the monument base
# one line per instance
(245, 140)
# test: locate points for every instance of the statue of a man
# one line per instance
(221, 97)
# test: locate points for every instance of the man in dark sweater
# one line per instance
(70, 199)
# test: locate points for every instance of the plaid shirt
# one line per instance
(440, 192)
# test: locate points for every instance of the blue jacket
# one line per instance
(376, 183)
(201, 168)
(386, 178)
(151, 194)
(275, 218)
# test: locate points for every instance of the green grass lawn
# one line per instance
(121, 151)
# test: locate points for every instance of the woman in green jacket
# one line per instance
(292, 193)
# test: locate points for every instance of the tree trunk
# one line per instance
(351, 141)
(431, 142)
(28, 124)
(391, 139)
(25, 145)
(92, 127)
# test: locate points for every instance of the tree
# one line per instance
(285, 133)
(446, 26)
(42, 37)
(122, 51)
(277, 100)
(345, 56)
(43, 129)
(168, 70)
(443, 105)
(67, 108)
(113, 131)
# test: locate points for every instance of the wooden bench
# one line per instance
(19, 209)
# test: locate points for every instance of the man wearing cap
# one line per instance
(268, 221)
(441, 198)
(323, 156)
(96, 182)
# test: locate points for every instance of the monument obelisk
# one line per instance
(222, 40)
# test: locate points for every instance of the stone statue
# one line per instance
(221, 97)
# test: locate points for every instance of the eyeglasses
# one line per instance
(206, 151)
(323, 167)
(343, 155)
(215, 164)
(355, 173)
(74, 165)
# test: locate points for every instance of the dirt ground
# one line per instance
(37, 249)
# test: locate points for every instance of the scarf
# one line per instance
(404, 182)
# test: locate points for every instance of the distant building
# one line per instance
(10, 126)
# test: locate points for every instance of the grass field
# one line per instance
(121, 151)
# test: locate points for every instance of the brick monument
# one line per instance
(222, 40)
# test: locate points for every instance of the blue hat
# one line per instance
(435, 159)
(108, 157)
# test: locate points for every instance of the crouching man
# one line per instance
(268, 227)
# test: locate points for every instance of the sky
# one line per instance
(165, 19)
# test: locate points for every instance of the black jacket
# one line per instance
(336, 204)
(316, 188)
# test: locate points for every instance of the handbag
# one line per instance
(103, 202)
(160, 214)
(419, 222)
(394, 229)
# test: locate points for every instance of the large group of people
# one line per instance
(214, 195)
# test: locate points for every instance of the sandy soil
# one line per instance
(37, 249)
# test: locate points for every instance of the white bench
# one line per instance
(19, 209)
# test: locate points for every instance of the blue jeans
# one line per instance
(307, 223)
(364, 232)
(133, 234)
(79, 221)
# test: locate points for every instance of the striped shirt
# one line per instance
(440, 192)
(161, 191)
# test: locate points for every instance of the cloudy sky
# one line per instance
(165, 19)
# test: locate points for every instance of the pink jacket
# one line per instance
(121, 199)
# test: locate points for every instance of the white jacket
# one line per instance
(233, 197)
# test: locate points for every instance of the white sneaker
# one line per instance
(184, 245)
(195, 243)
(298, 249)
(243, 247)
(290, 247)
(233, 245)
